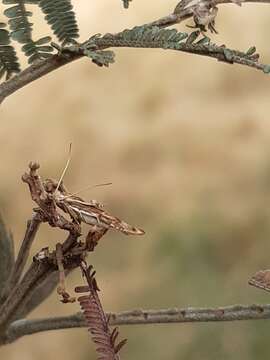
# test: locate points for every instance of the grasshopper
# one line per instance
(261, 280)
(50, 195)
(89, 212)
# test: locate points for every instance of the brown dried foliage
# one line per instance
(97, 322)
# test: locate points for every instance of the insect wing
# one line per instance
(261, 280)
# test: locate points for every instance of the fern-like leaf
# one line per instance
(154, 37)
(146, 37)
(9, 64)
(21, 30)
(105, 340)
(60, 16)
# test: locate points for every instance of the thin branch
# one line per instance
(212, 50)
(31, 230)
(173, 19)
(33, 73)
(24, 327)
(219, 2)
(23, 292)
(7, 257)
(44, 67)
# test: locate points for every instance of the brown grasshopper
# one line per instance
(261, 280)
(91, 212)
(50, 195)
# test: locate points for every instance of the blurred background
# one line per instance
(185, 142)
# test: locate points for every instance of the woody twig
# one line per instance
(31, 230)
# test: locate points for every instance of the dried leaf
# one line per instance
(96, 320)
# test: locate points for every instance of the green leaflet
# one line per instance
(21, 30)
(16, 11)
(35, 52)
(4, 37)
(100, 58)
(8, 60)
(251, 50)
(146, 37)
(60, 16)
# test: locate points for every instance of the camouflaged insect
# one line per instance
(261, 280)
(91, 212)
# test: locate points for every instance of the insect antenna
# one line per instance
(65, 168)
(87, 188)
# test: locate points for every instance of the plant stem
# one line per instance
(24, 327)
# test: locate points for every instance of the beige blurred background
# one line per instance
(185, 141)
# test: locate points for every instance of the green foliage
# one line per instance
(100, 58)
(61, 18)
(89, 49)
(8, 60)
(155, 37)
(144, 36)
(18, 20)
(37, 50)
(21, 30)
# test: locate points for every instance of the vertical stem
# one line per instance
(30, 234)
